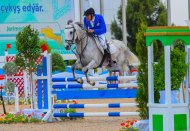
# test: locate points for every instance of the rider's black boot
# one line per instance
(108, 54)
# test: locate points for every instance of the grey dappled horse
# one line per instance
(89, 56)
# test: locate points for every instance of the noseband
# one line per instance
(72, 40)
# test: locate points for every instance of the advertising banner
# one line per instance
(48, 16)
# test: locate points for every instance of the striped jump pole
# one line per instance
(100, 78)
(96, 114)
(110, 105)
(83, 86)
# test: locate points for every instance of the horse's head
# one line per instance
(72, 33)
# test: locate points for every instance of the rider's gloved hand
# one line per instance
(90, 31)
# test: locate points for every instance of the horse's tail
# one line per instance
(131, 58)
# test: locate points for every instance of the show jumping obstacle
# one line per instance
(168, 116)
(73, 91)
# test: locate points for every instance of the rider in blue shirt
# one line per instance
(95, 24)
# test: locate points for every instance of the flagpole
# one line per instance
(189, 9)
(124, 28)
(77, 10)
(102, 7)
(169, 12)
(81, 10)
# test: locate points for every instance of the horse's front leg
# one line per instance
(88, 80)
(85, 69)
(77, 65)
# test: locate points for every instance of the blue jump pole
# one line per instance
(39, 82)
(45, 83)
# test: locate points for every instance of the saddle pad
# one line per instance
(112, 48)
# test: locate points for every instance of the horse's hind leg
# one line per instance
(126, 69)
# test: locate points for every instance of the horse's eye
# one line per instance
(71, 33)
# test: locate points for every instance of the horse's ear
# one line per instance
(79, 24)
(69, 22)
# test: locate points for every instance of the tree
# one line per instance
(10, 68)
(71, 62)
(150, 11)
(58, 63)
(27, 45)
(142, 94)
(141, 50)
(116, 30)
(9, 89)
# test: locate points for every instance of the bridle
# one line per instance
(70, 42)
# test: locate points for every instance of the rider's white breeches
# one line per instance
(102, 39)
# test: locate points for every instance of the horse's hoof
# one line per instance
(92, 83)
(80, 81)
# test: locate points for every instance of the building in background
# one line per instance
(179, 11)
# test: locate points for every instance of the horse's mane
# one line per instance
(79, 24)
(70, 22)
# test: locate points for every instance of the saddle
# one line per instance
(111, 48)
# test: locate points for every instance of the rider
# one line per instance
(95, 24)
